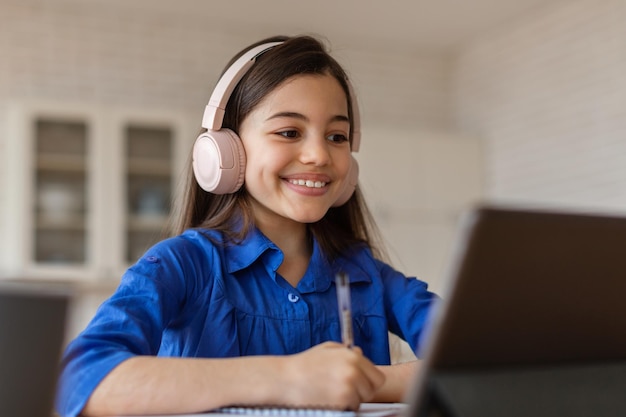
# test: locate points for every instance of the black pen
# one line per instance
(345, 309)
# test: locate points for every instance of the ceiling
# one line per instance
(430, 24)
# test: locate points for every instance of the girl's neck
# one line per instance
(293, 240)
(290, 237)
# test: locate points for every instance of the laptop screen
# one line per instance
(529, 289)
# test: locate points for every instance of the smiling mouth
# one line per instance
(308, 183)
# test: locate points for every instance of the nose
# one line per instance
(315, 150)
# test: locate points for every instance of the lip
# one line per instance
(307, 191)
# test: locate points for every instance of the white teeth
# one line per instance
(308, 183)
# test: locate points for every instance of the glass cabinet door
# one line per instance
(149, 166)
(60, 230)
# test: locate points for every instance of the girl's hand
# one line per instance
(330, 376)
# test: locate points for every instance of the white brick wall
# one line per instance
(90, 52)
(404, 88)
(93, 54)
(548, 93)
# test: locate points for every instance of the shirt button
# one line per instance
(152, 259)
(293, 298)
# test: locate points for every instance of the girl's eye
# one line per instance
(291, 134)
(338, 138)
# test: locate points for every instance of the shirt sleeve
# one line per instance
(408, 303)
(128, 324)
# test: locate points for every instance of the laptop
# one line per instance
(532, 320)
(32, 332)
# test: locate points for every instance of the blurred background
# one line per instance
(516, 102)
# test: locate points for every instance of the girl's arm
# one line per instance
(328, 375)
(398, 379)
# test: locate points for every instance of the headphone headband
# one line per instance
(214, 111)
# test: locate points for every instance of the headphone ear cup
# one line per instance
(352, 180)
(219, 161)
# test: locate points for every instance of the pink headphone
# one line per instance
(219, 159)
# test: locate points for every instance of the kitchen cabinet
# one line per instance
(88, 189)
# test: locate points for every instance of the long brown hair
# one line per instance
(341, 227)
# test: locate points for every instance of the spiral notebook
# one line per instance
(366, 410)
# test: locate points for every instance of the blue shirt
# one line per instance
(188, 297)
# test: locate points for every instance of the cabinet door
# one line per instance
(49, 227)
(149, 173)
(61, 174)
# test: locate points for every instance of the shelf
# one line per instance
(146, 223)
(149, 166)
(75, 223)
(61, 163)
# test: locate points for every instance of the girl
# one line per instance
(239, 306)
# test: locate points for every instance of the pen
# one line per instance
(345, 309)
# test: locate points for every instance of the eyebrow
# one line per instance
(300, 116)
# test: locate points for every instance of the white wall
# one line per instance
(417, 196)
(548, 95)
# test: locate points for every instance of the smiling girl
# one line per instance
(239, 306)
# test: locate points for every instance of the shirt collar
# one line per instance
(254, 244)
(319, 275)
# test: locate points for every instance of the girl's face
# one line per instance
(297, 148)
